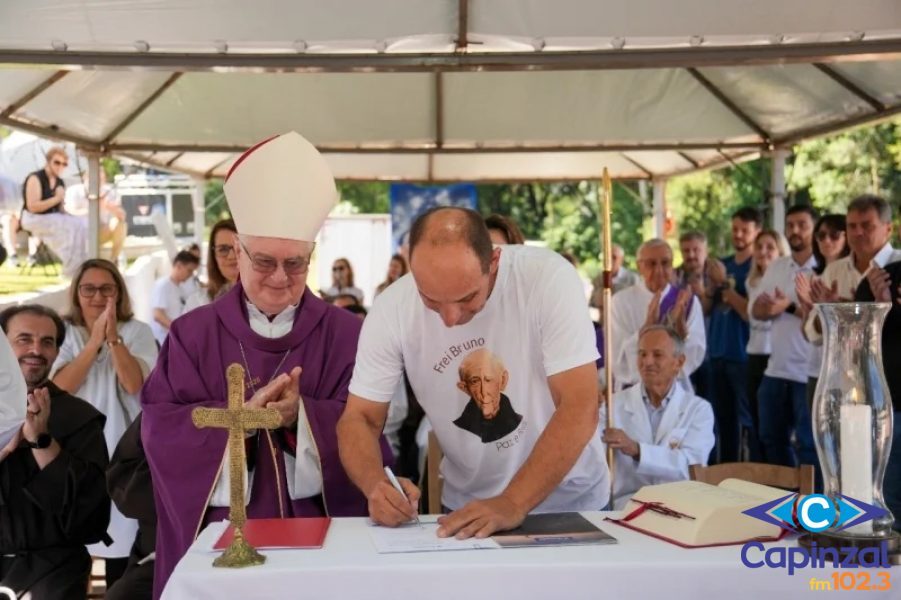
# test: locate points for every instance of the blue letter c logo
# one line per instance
(816, 513)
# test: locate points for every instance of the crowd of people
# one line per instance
(473, 335)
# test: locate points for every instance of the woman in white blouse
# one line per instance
(104, 360)
(768, 246)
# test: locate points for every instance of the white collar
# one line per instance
(883, 256)
(277, 327)
(648, 292)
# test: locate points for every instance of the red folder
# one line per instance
(274, 534)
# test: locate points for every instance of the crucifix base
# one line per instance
(239, 554)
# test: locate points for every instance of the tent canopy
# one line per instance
(450, 90)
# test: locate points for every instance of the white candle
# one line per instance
(856, 442)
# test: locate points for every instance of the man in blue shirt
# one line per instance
(727, 339)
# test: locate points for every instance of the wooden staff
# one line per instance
(604, 214)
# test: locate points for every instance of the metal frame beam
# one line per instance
(50, 131)
(729, 104)
(850, 86)
(439, 110)
(141, 108)
(689, 160)
(426, 148)
(640, 58)
(837, 126)
(32, 94)
(638, 165)
(740, 168)
(462, 41)
(172, 160)
(209, 172)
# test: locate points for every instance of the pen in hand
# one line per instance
(397, 486)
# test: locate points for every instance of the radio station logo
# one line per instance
(815, 513)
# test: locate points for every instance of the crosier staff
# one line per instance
(605, 199)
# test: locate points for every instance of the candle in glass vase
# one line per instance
(857, 457)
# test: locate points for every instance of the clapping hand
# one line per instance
(112, 329)
(803, 291)
(282, 394)
(780, 302)
(653, 315)
(100, 327)
(820, 292)
(679, 315)
(37, 415)
(880, 284)
(716, 271)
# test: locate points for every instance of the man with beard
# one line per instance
(654, 301)
(782, 395)
(489, 413)
(52, 495)
(728, 335)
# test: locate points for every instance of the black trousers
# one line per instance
(135, 584)
(54, 574)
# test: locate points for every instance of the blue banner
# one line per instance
(409, 201)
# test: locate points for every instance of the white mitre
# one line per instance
(281, 188)
(13, 393)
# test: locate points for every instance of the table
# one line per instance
(347, 567)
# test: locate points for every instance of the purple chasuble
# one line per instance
(668, 303)
(190, 372)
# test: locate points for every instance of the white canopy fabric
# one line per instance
(449, 90)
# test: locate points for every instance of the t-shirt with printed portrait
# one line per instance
(483, 384)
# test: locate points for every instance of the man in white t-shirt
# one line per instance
(781, 397)
(502, 330)
(168, 301)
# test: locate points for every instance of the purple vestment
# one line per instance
(190, 372)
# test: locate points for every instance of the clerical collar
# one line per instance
(278, 327)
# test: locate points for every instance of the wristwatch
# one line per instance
(44, 440)
(114, 342)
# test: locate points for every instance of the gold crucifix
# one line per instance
(237, 420)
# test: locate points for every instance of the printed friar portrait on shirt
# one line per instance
(488, 414)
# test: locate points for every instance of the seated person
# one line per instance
(168, 302)
(44, 214)
(113, 222)
(52, 495)
(660, 427)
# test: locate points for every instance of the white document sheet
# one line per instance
(410, 537)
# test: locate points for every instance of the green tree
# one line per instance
(828, 172)
(369, 197)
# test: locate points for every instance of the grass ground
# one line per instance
(12, 282)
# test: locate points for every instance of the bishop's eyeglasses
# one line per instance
(267, 265)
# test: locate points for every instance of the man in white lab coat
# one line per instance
(660, 427)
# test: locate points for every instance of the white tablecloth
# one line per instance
(639, 566)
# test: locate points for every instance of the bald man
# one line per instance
(506, 326)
